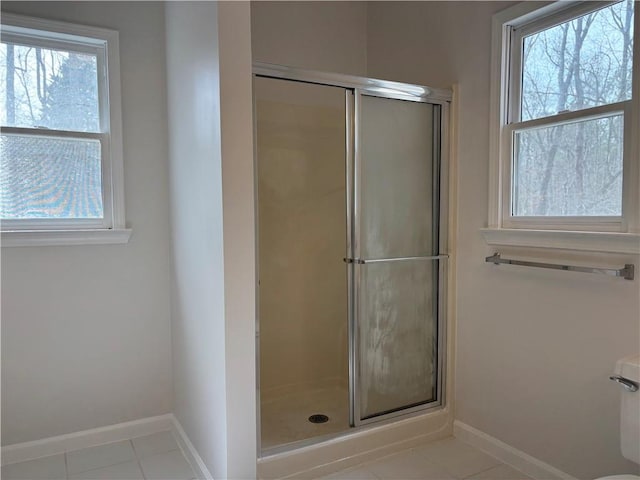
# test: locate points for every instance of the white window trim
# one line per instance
(74, 233)
(623, 237)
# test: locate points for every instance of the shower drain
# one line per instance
(318, 418)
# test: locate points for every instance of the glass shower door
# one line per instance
(397, 266)
(302, 236)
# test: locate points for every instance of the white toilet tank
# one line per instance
(629, 367)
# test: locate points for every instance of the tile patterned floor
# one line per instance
(447, 459)
(157, 457)
(153, 457)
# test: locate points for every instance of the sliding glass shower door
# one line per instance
(351, 273)
(397, 262)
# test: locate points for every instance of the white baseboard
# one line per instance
(507, 454)
(189, 451)
(21, 452)
(113, 433)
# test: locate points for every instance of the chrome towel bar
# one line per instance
(627, 272)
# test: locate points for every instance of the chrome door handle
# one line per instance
(628, 385)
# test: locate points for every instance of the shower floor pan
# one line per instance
(285, 419)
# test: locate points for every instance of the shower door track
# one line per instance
(354, 88)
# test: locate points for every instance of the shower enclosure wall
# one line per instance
(351, 269)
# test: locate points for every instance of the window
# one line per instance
(564, 133)
(60, 140)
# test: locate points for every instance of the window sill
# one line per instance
(608, 242)
(42, 238)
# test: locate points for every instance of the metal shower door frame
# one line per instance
(440, 215)
(355, 87)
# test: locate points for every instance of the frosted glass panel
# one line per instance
(396, 178)
(397, 317)
(397, 336)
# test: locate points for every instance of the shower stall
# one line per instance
(352, 263)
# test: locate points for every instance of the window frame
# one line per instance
(509, 27)
(104, 44)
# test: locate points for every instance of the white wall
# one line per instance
(534, 348)
(211, 182)
(197, 279)
(86, 330)
(236, 113)
(326, 36)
